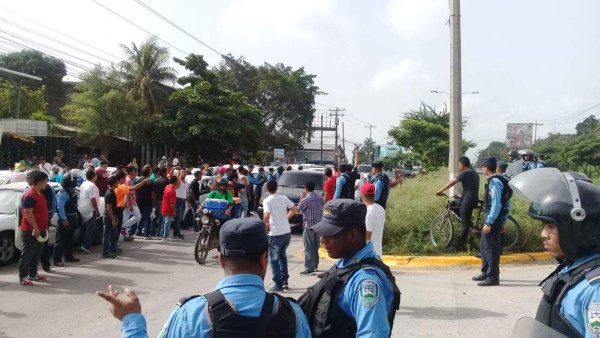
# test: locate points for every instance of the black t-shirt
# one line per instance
(470, 183)
(195, 189)
(143, 196)
(110, 198)
(159, 187)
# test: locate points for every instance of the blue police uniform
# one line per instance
(339, 184)
(581, 304)
(246, 292)
(367, 296)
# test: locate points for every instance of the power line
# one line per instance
(141, 3)
(140, 28)
(569, 117)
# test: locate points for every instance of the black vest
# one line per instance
(555, 287)
(386, 189)
(71, 205)
(506, 195)
(347, 188)
(225, 322)
(320, 302)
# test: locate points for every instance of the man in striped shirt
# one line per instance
(311, 207)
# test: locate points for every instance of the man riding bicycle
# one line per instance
(221, 194)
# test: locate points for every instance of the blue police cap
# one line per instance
(340, 214)
(491, 160)
(377, 164)
(243, 237)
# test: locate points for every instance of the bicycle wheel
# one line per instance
(441, 231)
(512, 235)
(202, 248)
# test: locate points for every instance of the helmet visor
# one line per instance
(546, 185)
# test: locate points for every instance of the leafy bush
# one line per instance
(412, 205)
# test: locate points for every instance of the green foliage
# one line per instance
(261, 157)
(572, 152)
(32, 101)
(32, 62)
(412, 205)
(285, 96)
(425, 132)
(496, 149)
(99, 106)
(208, 116)
(401, 160)
(590, 124)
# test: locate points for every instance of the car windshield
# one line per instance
(7, 201)
(364, 168)
(296, 179)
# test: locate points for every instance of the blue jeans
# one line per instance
(166, 226)
(145, 221)
(158, 220)
(277, 255)
(109, 238)
(243, 207)
(311, 249)
(179, 212)
(88, 232)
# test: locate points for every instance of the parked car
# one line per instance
(10, 220)
(291, 185)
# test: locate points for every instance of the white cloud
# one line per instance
(404, 72)
(256, 18)
(412, 18)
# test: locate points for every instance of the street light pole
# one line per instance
(455, 94)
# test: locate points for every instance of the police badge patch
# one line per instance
(369, 292)
(592, 320)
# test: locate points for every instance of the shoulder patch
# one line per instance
(592, 319)
(368, 292)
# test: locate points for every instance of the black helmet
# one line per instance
(222, 181)
(524, 152)
(280, 169)
(68, 182)
(568, 202)
(513, 153)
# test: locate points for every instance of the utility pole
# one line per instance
(535, 125)
(321, 140)
(455, 94)
(336, 114)
(343, 141)
(370, 126)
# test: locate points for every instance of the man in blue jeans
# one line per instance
(278, 210)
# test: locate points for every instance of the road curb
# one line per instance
(424, 261)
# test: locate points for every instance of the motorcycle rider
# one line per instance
(528, 161)
(221, 194)
(568, 210)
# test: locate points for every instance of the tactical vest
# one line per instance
(225, 322)
(555, 288)
(321, 306)
(385, 191)
(347, 188)
(525, 166)
(506, 195)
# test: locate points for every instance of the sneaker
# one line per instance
(87, 251)
(489, 282)
(118, 250)
(38, 278)
(175, 238)
(285, 285)
(180, 237)
(109, 255)
(163, 239)
(59, 264)
(147, 238)
(276, 288)
(480, 277)
(26, 282)
(139, 234)
(72, 259)
(307, 272)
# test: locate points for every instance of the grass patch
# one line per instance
(412, 205)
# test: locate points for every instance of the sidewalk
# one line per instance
(424, 261)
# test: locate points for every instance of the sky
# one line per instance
(530, 60)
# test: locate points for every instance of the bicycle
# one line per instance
(441, 230)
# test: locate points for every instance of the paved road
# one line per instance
(434, 302)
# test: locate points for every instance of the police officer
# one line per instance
(513, 156)
(497, 206)
(358, 296)
(528, 161)
(344, 185)
(381, 182)
(569, 212)
(238, 307)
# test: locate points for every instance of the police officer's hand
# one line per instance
(121, 307)
(486, 229)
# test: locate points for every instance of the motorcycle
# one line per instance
(209, 219)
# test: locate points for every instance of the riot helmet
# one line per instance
(513, 154)
(68, 182)
(564, 200)
(526, 152)
(222, 181)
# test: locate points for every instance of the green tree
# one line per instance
(209, 117)
(425, 133)
(590, 124)
(100, 107)
(285, 96)
(50, 69)
(32, 101)
(144, 69)
(496, 149)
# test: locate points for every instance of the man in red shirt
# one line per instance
(329, 185)
(168, 205)
(33, 225)
(102, 177)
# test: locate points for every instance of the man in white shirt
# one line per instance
(45, 167)
(375, 218)
(89, 197)
(276, 217)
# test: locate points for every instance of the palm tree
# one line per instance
(143, 69)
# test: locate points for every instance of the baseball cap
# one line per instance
(491, 160)
(502, 165)
(368, 189)
(243, 237)
(377, 164)
(340, 214)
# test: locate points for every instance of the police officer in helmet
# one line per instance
(569, 209)
(238, 307)
(513, 156)
(528, 160)
(358, 296)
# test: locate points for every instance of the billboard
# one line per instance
(519, 135)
